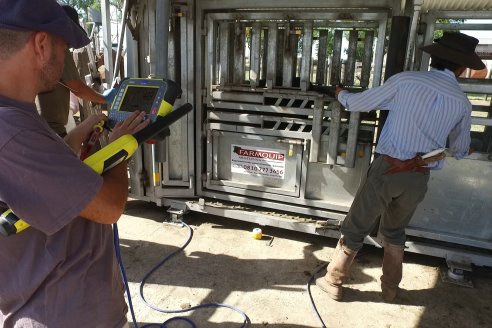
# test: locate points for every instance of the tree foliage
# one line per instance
(82, 6)
(438, 33)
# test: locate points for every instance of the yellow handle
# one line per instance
(112, 154)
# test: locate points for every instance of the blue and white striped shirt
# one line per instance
(425, 108)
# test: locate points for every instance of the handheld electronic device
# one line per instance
(104, 159)
(153, 96)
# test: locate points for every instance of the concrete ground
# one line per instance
(267, 278)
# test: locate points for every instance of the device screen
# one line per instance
(138, 98)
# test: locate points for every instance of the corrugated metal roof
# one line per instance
(457, 5)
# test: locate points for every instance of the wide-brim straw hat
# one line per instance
(457, 48)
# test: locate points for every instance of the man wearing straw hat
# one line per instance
(425, 110)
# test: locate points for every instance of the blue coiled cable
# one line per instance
(116, 241)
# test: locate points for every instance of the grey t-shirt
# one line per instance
(60, 272)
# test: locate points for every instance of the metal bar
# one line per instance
(263, 60)
(395, 61)
(316, 131)
(282, 34)
(272, 201)
(239, 41)
(316, 14)
(261, 108)
(322, 50)
(131, 57)
(224, 53)
(353, 132)
(378, 57)
(463, 27)
(162, 42)
(107, 43)
(365, 74)
(254, 71)
(290, 51)
(345, 25)
(210, 61)
(307, 44)
(336, 59)
(214, 145)
(238, 96)
(481, 121)
(334, 133)
(484, 14)
(152, 37)
(351, 54)
(417, 6)
(120, 39)
(271, 67)
(430, 21)
(476, 85)
(187, 128)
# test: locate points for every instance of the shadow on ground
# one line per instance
(446, 306)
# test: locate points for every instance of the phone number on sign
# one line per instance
(253, 168)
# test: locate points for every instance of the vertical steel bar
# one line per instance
(337, 56)
(430, 21)
(322, 49)
(417, 6)
(239, 40)
(263, 60)
(224, 53)
(281, 35)
(378, 58)
(316, 132)
(187, 84)
(307, 45)
(254, 72)
(353, 133)
(116, 69)
(290, 52)
(152, 38)
(365, 74)
(162, 37)
(271, 67)
(210, 61)
(351, 58)
(107, 43)
(334, 135)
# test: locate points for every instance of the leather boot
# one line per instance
(392, 270)
(337, 271)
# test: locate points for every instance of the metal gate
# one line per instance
(273, 128)
(269, 142)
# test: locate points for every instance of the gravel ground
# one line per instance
(266, 279)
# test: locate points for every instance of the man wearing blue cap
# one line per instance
(62, 271)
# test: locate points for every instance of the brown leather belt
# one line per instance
(409, 165)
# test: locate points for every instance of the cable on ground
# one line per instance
(116, 241)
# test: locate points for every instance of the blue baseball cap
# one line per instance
(41, 15)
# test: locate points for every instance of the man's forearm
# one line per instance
(83, 91)
(109, 203)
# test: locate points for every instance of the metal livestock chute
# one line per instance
(269, 143)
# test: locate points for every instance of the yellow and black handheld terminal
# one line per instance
(154, 96)
(123, 147)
